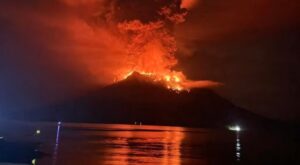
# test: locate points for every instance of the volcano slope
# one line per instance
(138, 99)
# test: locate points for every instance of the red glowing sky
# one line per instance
(63, 47)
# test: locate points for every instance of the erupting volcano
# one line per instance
(172, 80)
(129, 52)
(151, 48)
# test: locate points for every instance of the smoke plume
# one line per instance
(56, 47)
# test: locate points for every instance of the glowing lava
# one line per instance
(173, 80)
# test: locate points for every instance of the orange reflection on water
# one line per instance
(119, 145)
(172, 146)
(141, 145)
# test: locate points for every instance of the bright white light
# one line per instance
(33, 162)
(37, 131)
(235, 128)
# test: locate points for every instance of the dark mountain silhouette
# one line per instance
(139, 99)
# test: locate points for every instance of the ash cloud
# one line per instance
(55, 49)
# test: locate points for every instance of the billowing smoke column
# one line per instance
(151, 46)
(103, 41)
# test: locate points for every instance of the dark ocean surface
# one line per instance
(93, 144)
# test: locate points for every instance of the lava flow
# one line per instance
(173, 80)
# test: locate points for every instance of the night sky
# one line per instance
(53, 50)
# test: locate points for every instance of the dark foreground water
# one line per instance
(96, 144)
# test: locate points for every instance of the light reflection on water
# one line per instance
(55, 151)
(89, 144)
(80, 144)
(117, 144)
(238, 147)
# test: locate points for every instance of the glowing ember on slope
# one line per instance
(172, 80)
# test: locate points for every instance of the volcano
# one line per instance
(139, 99)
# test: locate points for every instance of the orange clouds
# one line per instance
(188, 4)
(84, 38)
